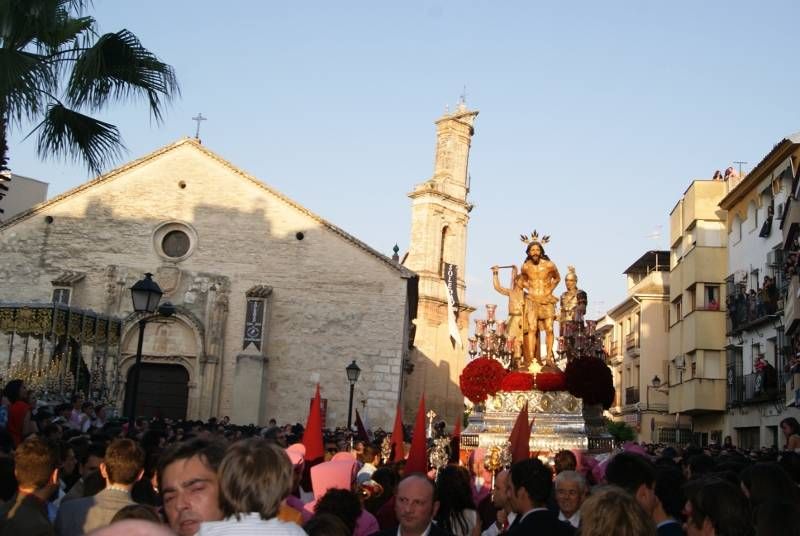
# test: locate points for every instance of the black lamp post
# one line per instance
(352, 376)
(145, 295)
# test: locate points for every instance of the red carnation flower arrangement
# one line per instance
(517, 381)
(551, 381)
(481, 378)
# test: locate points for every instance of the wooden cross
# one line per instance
(198, 119)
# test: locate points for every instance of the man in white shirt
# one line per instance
(371, 459)
(505, 516)
(570, 494)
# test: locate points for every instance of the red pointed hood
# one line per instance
(312, 437)
(418, 455)
(520, 436)
(398, 437)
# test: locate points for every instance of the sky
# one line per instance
(594, 116)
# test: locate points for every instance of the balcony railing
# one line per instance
(613, 348)
(631, 395)
(749, 309)
(631, 341)
(765, 386)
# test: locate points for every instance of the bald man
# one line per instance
(505, 516)
(415, 506)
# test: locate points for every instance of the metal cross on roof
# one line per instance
(198, 118)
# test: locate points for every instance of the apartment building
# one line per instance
(697, 341)
(757, 365)
(636, 334)
(790, 230)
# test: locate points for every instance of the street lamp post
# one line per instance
(145, 295)
(352, 376)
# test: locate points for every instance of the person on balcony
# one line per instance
(791, 431)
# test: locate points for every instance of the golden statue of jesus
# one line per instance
(541, 279)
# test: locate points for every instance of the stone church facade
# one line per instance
(270, 298)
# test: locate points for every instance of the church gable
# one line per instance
(185, 182)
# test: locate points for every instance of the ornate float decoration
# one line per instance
(516, 360)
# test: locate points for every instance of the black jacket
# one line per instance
(435, 531)
(540, 523)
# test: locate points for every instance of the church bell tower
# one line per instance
(439, 217)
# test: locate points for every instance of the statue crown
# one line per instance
(535, 239)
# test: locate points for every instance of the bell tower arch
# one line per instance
(439, 217)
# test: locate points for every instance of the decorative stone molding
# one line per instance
(67, 278)
(259, 291)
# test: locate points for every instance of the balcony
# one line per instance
(697, 395)
(747, 310)
(764, 386)
(613, 349)
(631, 340)
(631, 395)
(655, 282)
(792, 388)
(698, 329)
(701, 263)
(791, 312)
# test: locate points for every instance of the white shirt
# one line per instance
(493, 530)
(365, 473)
(250, 524)
(523, 516)
(575, 520)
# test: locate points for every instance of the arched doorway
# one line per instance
(163, 391)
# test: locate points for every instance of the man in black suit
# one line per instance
(670, 501)
(637, 475)
(415, 506)
(529, 486)
(37, 478)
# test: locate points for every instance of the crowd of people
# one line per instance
(60, 476)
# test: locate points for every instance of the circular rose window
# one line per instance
(174, 241)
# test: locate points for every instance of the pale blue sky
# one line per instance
(594, 115)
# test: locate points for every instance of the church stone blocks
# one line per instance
(211, 234)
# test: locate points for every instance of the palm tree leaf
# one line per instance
(26, 22)
(70, 134)
(25, 80)
(118, 68)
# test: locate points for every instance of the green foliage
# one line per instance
(620, 431)
(54, 65)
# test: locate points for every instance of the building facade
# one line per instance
(23, 193)
(698, 268)
(757, 347)
(270, 298)
(636, 335)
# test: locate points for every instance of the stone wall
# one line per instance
(333, 300)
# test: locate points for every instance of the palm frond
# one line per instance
(25, 80)
(67, 31)
(118, 68)
(69, 134)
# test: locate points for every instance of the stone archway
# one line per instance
(172, 360)
(163, 391)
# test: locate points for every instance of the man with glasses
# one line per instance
(570, 494)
